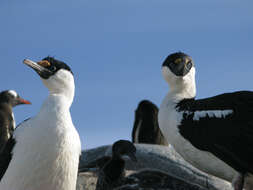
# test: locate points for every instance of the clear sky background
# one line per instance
(115, 49)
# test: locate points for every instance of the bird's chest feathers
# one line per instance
(13, 121)
(56, 137)
(169, 120)
(50, 146)
(114, 171)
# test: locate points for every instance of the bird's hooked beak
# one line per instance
(40, 67)
(180, 67)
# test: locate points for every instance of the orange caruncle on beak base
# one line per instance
(179, 60)
(44, 63)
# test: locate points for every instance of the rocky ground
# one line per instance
(154, 157)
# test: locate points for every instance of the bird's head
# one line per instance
(146, 109)
(146, 115)
(12, 98)
(56, 75)
(124, 147)
(179, 71)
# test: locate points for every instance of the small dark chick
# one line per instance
(113, 171)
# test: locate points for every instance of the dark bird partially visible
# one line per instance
(113, 171)
(146, 129)
(95, 165)
(8, 100)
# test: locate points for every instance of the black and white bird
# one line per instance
(112, 172)
(213, 134)
(8, 100)
(146, 129)
(44, 151)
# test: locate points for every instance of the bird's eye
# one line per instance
(53, 68)
(189, 65)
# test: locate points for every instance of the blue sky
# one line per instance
(115, 49)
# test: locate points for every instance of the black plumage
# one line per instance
(8, 100)
(230, 138)
(6, 155)
(47, 67)
(113, 171)
(95, 165)
(179, 63)
(6, 124)
(56, 65)
(146, 128)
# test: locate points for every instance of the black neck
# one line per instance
(114, 169)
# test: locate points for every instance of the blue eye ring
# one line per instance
(189, 65)
(53, 68)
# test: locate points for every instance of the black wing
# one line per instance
(6, 153)
(6, 129)
(6, 140)
(5, 156)
(229, 138)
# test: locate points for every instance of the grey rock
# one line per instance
(158, 157)
(88, 180)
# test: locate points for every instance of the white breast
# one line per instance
(46, 153)
(13, 121)
(169, 120)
